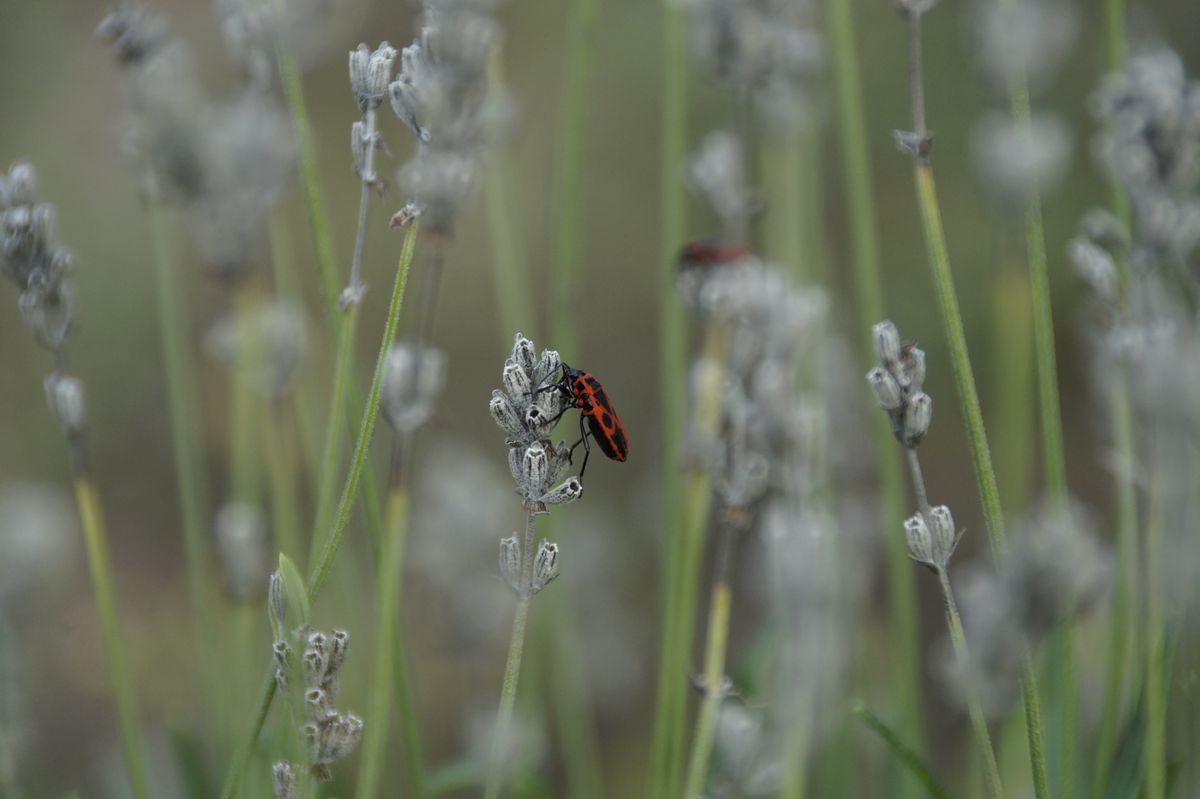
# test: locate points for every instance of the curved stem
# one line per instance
(318, 219)
(95, 538)
(390, 566)
(370, 415)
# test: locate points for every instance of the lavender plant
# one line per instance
(527, 413)
(39, 265)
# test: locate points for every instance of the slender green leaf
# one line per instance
(904, 754)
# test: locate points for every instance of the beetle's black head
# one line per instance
(570, 373)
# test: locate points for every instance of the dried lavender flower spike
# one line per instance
(370, 73)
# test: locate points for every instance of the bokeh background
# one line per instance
(63, 106)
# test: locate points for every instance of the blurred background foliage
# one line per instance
(64, 108)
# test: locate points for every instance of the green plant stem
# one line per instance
(318, 219)
(369, 417)
(1154, 782)
(287, 286)
(321, 569)
(1053, 449)
(1011, 355)
(673, 373)
(964, 378)
(1114, 35)
(376, 735)
(319, 224)
(244, 472)
(95, 538)
(513, 286)
(985, 475)
(968, 395)
(710, 707)
(559, 637)
(869, 290)
(905, 754)
(512, 667)
(975, 711)
(1123, 620)
(733, 523)
(185, 421)
(281, 472)
(679, 626)
(343, 377)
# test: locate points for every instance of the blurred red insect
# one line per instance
(710, 253)
(584, 392)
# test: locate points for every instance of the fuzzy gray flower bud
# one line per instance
(931, 541)
(887, 342)
(885, 388)
(913, 360)
(917, 417)
(370, 73)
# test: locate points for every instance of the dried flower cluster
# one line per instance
(1150, 139)
(442, 94)
(527, 410)
(34, 259)
(528, 413)
(896, 381)
(769, 49)
(330, 734)
(226, 163)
